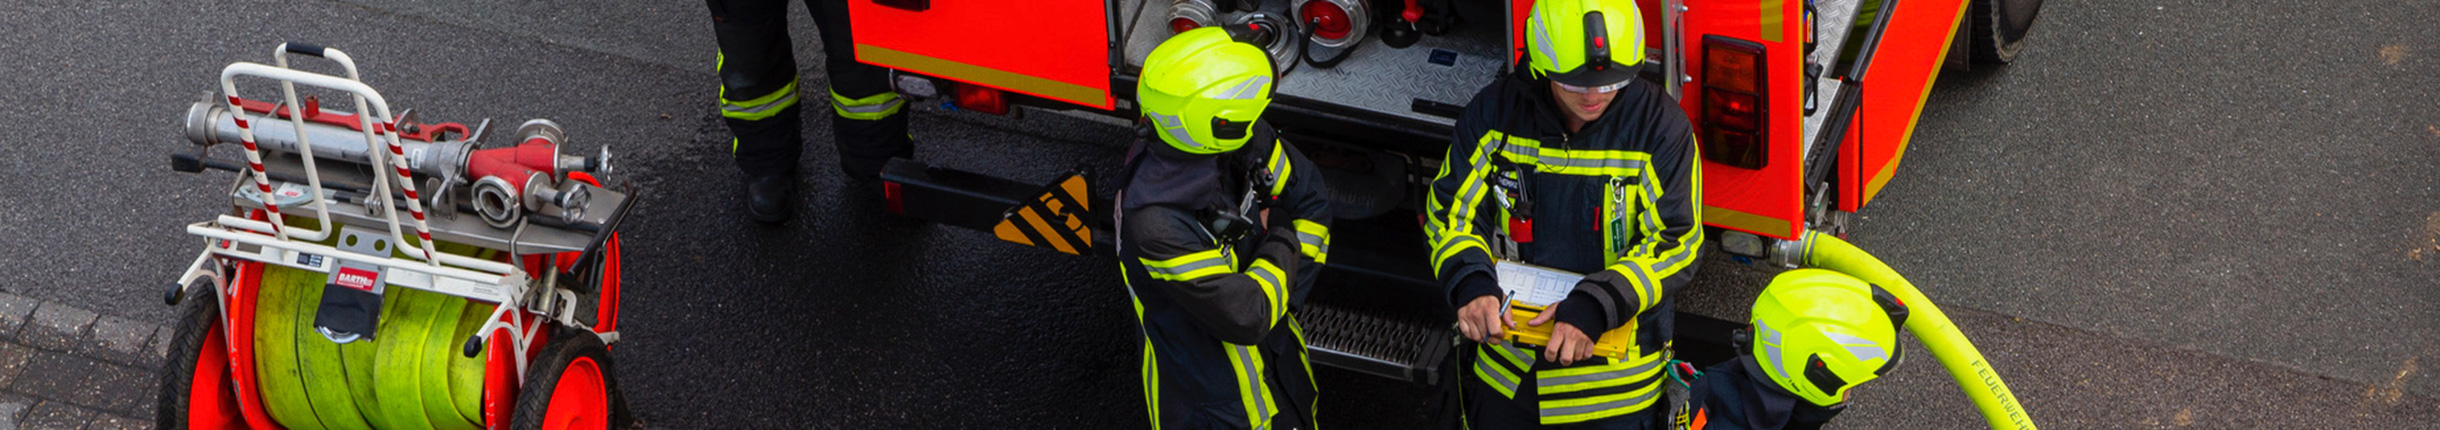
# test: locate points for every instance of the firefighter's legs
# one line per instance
(1486, 409)
(869, 120)
(758, 100)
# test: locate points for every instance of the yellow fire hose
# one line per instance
(1964, 363)
(409, 376)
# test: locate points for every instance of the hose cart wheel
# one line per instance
(569, 385)
(198, 352)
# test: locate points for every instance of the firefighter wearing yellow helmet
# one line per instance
(1570, 163)
(1816, 335)
(1222, 227)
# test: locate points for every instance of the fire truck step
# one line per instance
(1395, 348)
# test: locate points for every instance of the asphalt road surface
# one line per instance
(2168, 214)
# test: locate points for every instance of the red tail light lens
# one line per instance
(1734, 106)
(1329, 21)
(981, 99)
(889, 196)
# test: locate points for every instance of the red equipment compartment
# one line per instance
(1767, 201)
(1899, 79)
(1051, 49)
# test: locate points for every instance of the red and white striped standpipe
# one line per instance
(365, 95)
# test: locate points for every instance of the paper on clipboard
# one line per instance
(1535, 285)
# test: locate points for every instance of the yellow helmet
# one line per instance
(1585, 43)
(1203, 89)
(1818, 333)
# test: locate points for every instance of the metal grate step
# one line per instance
(1395, 348)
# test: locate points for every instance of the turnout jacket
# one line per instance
(1619, 201)
(1221, 348)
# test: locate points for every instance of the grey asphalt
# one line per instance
(2168, 214)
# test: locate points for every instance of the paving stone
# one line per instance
(13, 407)
(55, 415)
(115, 388)
(56, 327)
(114, 422)
(159, 350)
(13, 358)
(13, 311)
(118, 340)
(54, 375)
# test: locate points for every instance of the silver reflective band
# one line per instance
(1253, 375)
(1179, 271)
(1603, 376)
(783, 102)
(1176, 129)
(1598, 407)
(1604, 89)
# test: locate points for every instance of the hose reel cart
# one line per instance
(376, 271)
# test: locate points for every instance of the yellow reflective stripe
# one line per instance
(1250, 389)
(1280, 167)
(1190, 266)
(1580, 162)
(1152, 366)
(1555, 381)
(869, 108)
(1567, 411)
(759, 107)
(1313, 239)
(1681, 257)
(1274, 286)
(1492, 374)
(1452, 247)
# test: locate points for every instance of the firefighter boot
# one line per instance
(770, 199)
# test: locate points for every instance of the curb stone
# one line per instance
(56, 327)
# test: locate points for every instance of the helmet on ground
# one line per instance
(1204, 88)
(1585, 43)
(1818, 333)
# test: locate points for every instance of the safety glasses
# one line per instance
(1602, 89)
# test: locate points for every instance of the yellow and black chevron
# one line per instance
(1054, 220)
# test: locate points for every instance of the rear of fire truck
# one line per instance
(1803, 108)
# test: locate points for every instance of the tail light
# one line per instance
(1335, 22)
(890, 198)
(1191, 14)
(1734, 108)
(981, 99)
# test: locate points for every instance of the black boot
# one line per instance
(770, 199)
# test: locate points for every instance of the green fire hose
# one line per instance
(1964, 363)
(410, 376)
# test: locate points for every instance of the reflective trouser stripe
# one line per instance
(1280, 167)
(1250, 388)
(870, 108)
(1313, 239)
(1593, 392)
(760, 107)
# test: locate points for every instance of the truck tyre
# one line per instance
(569, 386)
(1999, 27)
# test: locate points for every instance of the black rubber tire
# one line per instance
(1999, 28)
(200, 315)
(543, 376)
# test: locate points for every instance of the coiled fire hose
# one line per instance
(1965, 364)
(410, 376)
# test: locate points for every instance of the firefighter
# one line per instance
(1222, 227)
(1569, 163)
(758, 100)
(1816, 335)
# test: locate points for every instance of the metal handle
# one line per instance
(304, 49)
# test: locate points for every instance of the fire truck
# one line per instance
(1803, 110)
